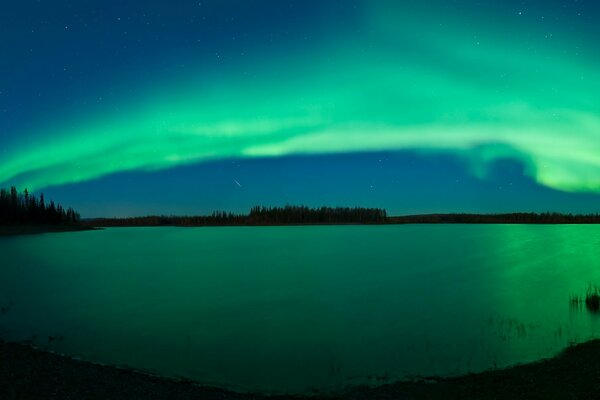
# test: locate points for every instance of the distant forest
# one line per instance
(288, 215)
(25, 209)
(300, 215)
(510, 218)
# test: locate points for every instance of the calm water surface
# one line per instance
(294, 308)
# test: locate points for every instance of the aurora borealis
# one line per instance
(93, 89)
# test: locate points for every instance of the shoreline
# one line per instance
(431, 219)
(9, 231)
(16, 230)
(303, 216)
(30, 373)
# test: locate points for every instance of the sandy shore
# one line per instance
(28, 373)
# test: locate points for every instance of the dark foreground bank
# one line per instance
(27, 373)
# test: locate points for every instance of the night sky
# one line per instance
(182, 107)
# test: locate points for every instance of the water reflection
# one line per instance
(291, 308)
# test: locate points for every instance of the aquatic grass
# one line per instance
(576, 302)
(592, 302)
(592, 299)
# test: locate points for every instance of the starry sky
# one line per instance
(182, 107)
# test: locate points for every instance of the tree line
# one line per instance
(322, 215)
(302, 215)
(24, 208)
(508, 218)
(217, 218)
(288, 215)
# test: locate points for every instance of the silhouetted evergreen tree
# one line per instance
(323, 215)
(25, 208)
(512, 218)
(288, 215)
(302, 215)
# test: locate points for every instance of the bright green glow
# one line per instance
(402, 85)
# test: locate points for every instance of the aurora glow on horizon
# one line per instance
(146, 88)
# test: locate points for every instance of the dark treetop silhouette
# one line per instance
(300, 215)
(288, 215)
(26, 209)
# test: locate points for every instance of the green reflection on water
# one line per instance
(288, 308)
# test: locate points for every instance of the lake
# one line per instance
(298, 308)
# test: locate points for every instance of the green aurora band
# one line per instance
(470, 87)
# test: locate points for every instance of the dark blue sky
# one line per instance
(402, 182)
(160, 107)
